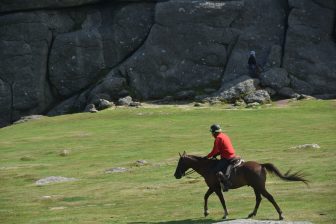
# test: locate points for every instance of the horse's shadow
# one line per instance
(194, 221)
(185, 221)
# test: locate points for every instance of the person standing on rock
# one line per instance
(252, 64)
(223, 147)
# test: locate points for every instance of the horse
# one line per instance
(249, 173)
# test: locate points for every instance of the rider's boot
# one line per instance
(224, 181)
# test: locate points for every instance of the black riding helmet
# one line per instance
(215, 128)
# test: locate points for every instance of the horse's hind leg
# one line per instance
(271, 199)
(221, 198)
(206, 196)
(258, 200)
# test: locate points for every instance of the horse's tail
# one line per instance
(288, 176)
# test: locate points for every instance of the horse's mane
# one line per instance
(202, 158)
(195, 157)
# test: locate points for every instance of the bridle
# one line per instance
(183, 174)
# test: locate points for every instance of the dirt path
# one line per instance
(282, 103)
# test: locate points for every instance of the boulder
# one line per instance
(275, 78)
(288, 93)
(300, 86)
(240, 103)
(208, 99)
(91, 108)
(238, 88)
(135, 104)
(112, 87)
(306, 146)
(125, 101)
(104, 104)
(54, 179)
(306, 97)
(64, 152)
(259, 96)
(253, 105)
(116, 170)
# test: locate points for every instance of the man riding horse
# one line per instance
(223, 147)
(248, 173)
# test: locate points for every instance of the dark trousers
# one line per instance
(253, 71)
(222, 165)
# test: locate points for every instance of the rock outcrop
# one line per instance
(310, 52)
(60, 57)
(107, 36)
(24, 44)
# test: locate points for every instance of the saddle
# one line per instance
(234, 163)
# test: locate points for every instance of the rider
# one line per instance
(223, 147)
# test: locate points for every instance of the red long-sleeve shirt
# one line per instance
(222, 146)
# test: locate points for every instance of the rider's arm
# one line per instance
(214, 151)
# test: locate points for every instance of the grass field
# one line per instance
(150, 194)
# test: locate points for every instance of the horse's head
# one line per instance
(181, 166)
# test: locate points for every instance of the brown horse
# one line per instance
(249, 173)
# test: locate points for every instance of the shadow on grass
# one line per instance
(199, 221)
(185, 221)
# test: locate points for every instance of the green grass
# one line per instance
(150, 193)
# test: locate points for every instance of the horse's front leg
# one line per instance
(206, 196)
(221, 198)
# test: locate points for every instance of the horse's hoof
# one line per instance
(225, 216)
(250, 215)
(281, 218)
(206, 213)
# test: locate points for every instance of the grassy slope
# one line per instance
(117, 138)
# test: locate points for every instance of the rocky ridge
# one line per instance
(61, 57)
